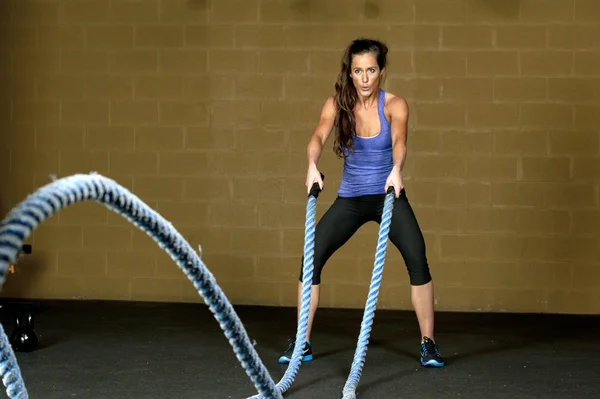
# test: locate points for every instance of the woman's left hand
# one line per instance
(395, 180)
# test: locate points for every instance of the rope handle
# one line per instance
(315, 189)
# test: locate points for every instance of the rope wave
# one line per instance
(24, 218)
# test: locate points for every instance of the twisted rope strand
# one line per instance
(307, 272)
(39, 206)
(20, 223)
(360, 354)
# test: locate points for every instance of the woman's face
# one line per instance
(365, 74)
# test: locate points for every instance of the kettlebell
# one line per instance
(24, 338)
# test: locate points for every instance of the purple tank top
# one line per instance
(367, 167)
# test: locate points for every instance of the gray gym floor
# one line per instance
(146, 350)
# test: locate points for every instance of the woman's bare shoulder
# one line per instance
(395, 105)
(394, 99)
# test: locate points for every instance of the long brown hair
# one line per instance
(345, 92)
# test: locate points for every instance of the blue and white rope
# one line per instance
(307, 274)
(20, 223)
(360, 354)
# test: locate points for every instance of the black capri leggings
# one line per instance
(347, 215)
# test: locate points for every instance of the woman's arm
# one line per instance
(321, 133)
(317, 142)
(399, 115)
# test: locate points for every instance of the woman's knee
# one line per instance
(316, 280)
(317, 269)
(418, 272)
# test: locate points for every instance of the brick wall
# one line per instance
(204, 108)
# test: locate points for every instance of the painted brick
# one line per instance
(203, 109)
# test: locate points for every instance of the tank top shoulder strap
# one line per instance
(380, 109)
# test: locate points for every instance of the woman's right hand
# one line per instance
(313, 176)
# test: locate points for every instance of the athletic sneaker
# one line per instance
(307, 355)
(430, 355)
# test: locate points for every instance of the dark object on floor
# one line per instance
(23, 337)
(26, 249)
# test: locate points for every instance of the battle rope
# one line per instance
(307, 274)
(39, 206)
(20, 223)
(369, 313)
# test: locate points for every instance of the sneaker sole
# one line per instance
(431, 363)
(286, 360)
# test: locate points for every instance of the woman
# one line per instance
(371, 130)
